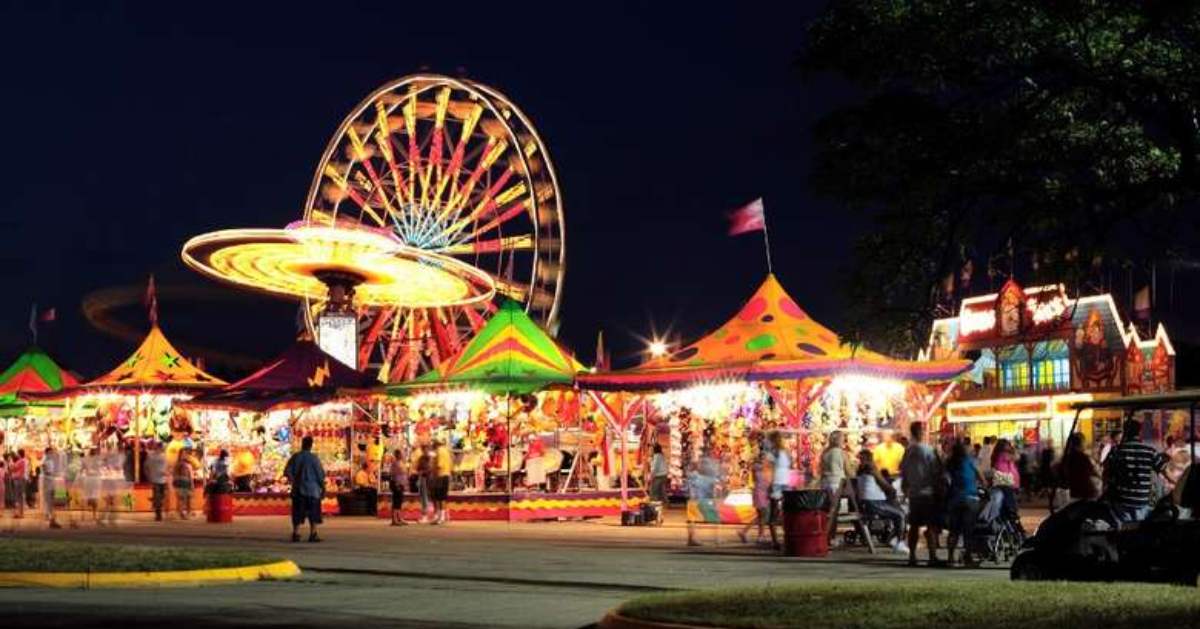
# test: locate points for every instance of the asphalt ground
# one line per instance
(463, 574)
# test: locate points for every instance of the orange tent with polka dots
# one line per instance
(770, 338)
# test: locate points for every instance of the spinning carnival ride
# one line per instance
(434, 196)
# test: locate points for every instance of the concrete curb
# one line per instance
(613, 620)
(165, 578)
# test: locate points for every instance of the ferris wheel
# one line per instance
(452, 168)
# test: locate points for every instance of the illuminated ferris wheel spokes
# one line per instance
(453, 168)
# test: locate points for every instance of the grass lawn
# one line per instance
(899, 604)
(21, 555)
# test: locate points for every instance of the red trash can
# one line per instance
(805, 523)
(806, 534)
(219, 508)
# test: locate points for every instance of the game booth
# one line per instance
(769, 368)
(31, 425)
(525, 445)
(261, 419)
(121, 412)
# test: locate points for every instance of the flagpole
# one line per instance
(751, 217)
(767, 244)
(766, 240)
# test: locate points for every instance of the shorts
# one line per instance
(397, 495)
(305, 508)
(961, 516)
(439, 488)
(924, 511)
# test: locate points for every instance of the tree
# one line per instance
(1032, 134)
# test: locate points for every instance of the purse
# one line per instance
(1002, 479)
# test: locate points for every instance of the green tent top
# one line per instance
(32, 372)
(511, 354)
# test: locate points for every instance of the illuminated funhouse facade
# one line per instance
(1037, 351)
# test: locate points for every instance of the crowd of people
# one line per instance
(912, 484)
(96, 485)
(941, 489)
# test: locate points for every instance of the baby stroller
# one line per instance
(998, 534)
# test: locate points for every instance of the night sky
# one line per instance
(131, 128)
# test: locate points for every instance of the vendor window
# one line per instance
(1054, 373)
(1015, 376)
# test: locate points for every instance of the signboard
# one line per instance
(1018, 409)
(337, 335)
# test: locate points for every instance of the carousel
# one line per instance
(769, 368)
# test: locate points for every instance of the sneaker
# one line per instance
(900, 548)
(295, 537)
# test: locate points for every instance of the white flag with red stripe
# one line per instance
(748, 218)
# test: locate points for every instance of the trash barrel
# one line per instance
(805, 523)
(219, 508)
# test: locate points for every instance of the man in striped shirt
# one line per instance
(1129, 474)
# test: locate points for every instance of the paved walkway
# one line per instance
(477, 574)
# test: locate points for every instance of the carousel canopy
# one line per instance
(303, 375)
(511, 354)
(771, 338)
(156, 365)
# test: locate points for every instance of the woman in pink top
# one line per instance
(1005, 477)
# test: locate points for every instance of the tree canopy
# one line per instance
(1049, 136)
